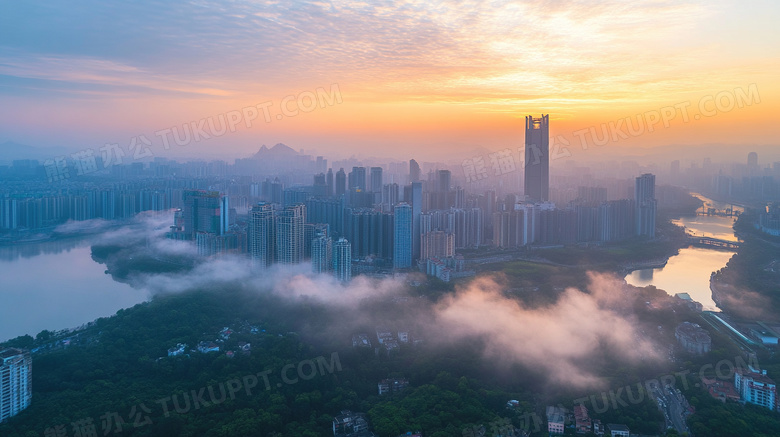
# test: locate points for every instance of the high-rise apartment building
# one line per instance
(321, 254)
(261, 235)
(402, 236)
(329, 182)
(290, 234)
(416, 205)
(645, 204)
(342, 260)
(341, 182)
(376, 180)
(437, 244)
(357, 179)
(537, 158)
(15, 382)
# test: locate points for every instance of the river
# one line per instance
(56, 285)
(689, 271)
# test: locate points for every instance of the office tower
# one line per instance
(290, 234)
(15, 382)
(261, 235)
(416, 204)
(342, 260)
(437, 244)
(537, 158)
(376, 180)
(645, 204)
(341, 182)
(402, 236)
(329, 182)
(321, 253)
(357, 179)
(414, 171)
(204, 211)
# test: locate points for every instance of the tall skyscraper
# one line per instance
(329, 182)
(376, 180)
(261, 235)
(644, 196)
(15, 382)
(342, 260)
(537, 158)
(289, 234)
(414, 171)
(341, 182)
(402, 236)
(321, 253)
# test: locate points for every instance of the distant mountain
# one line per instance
(278, 151)
(10, 151)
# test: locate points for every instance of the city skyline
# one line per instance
(396, 218)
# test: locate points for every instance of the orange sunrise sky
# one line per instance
(428, 79)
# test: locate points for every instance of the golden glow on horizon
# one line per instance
(432, 73)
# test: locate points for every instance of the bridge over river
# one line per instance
(713, 242)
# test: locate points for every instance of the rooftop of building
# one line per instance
(10, 352)
(693, 331)
(617, 427)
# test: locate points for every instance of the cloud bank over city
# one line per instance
(560, 340)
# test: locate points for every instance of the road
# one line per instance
(674, 407)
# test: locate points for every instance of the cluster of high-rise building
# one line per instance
(48, 208)
(589, 218)
(380, 217)
(746, 181)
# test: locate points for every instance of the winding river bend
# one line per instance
(689, 271)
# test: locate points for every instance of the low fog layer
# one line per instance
(557, 340)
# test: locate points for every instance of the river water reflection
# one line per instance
(689, 271)
(56, 285)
